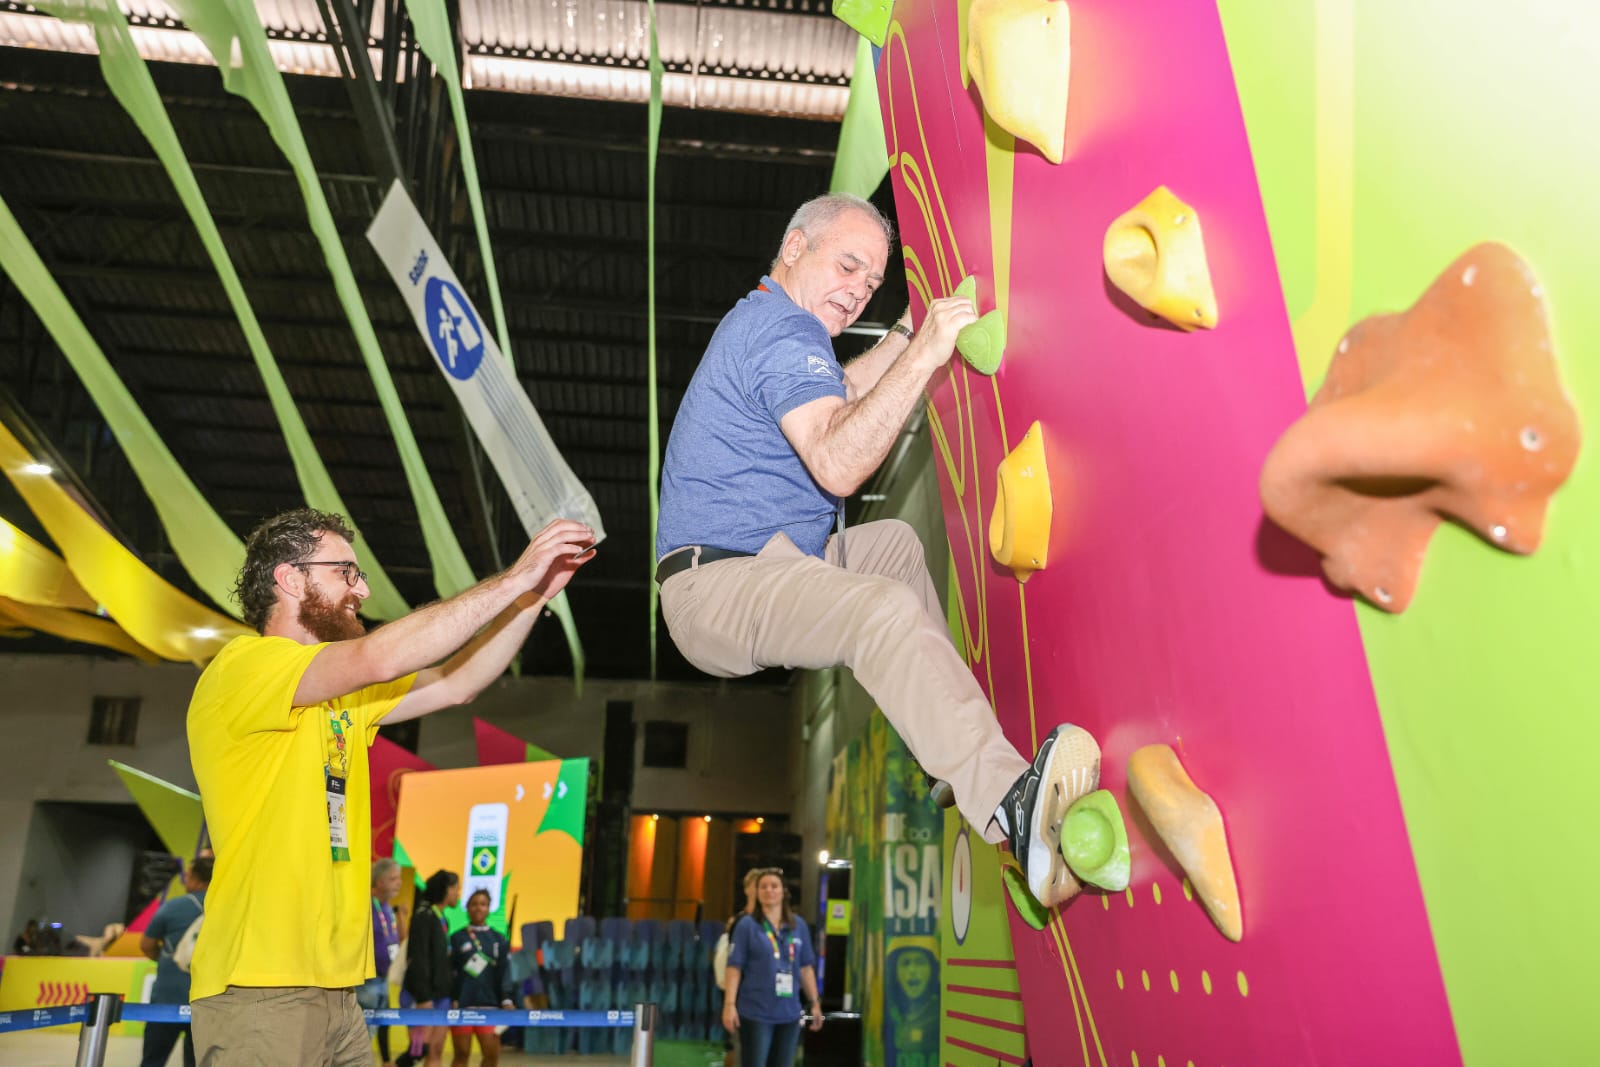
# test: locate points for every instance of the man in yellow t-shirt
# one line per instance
(279, 727)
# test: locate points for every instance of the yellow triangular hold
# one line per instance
(1019, 528)
(1020, 54)
(1155, 253)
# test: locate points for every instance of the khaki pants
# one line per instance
(881, 618)
(247, 1026)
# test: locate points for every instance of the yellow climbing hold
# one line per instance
(1020, 54)
(1190, 825)
(1155, 254)
(1019, 529)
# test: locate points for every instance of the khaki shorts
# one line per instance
(249, 1026)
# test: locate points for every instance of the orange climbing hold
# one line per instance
(1189, 824)
(1452, 409)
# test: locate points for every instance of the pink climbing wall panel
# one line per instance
(1169, 611)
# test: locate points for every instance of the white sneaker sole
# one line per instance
(1073, 771)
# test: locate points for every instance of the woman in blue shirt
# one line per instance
(770, 965)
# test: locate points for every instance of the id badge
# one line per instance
(394, 950)
(475, 966)
(785, 987)
(338, 827)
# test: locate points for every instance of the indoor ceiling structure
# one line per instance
(555, 96)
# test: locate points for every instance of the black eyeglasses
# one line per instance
(347, 567)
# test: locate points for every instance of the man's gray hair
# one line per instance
(817, 214)
(380, 868)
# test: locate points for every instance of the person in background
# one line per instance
(480, 962)
(428, 977)
(388, 930)
(167, 927)
(26, 941)
(770, 962)
(720, 964)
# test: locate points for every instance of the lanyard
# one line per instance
(477, 947)
(384, 920)
(772, 938)
(337, 751)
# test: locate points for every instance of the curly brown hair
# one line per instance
(287, 538)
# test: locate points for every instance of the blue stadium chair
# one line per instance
(649, 934)
(680, 944)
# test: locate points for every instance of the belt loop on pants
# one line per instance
(689, 556)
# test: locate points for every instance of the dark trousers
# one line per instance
(159, 1039)
(767, 1044)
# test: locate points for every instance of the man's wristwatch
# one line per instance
(903, 330)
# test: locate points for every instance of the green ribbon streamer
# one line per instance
(208, 550)
(863, 156)
(128, 77)
(432, 26)
(235, 39)
(652, 146)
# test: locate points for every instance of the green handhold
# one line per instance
(1094, 841)
(1033, 913)
(983, 343)
(969, 289)
(869, 18)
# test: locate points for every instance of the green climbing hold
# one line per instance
(983, 343)
(869, 18)
(1094, 841)
(1033, 913)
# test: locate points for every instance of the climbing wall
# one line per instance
(1169, 610)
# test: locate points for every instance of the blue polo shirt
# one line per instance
(730, 478)
(760, 953)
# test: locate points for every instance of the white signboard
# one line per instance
(541, 485)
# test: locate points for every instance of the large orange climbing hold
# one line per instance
(1189, 824)
(1451, 409)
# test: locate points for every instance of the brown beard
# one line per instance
(327, 620)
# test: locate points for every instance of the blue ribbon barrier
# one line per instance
(37, 1018)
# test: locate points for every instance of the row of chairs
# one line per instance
(599, 965)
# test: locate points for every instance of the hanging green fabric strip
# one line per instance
(652, 145)
(208, 550)
(233, 35)
(862, 160)
(128, 76)
(432, 24)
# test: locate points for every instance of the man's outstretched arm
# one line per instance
(842, 442)
(478, 662)
(430, 634)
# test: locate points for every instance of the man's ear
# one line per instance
(290, 579)
(794, 243)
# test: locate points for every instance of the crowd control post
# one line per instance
(104, 1012)
(644, 1035)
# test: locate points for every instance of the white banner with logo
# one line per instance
(541, 485)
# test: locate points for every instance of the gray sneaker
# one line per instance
(1066, 768)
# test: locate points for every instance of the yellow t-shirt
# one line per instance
(280, 911)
